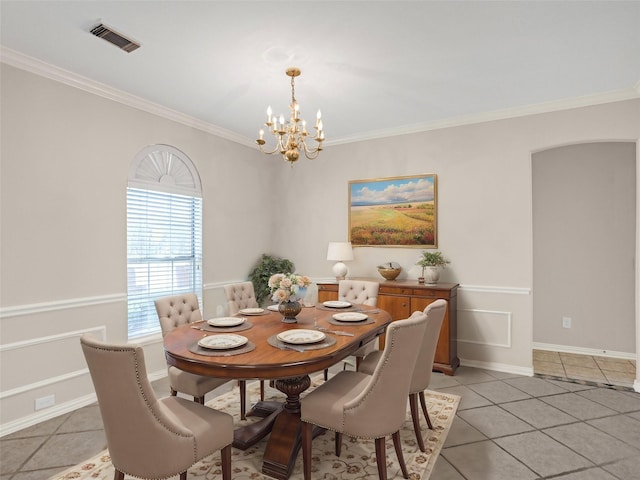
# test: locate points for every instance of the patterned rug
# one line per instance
(357, 460)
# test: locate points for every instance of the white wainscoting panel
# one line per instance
(32, 345)
(484, 327)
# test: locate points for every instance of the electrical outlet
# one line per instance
(566, 322)
(45, 402)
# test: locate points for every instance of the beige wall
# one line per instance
(584, 229)
(65, 160)
(65, 157)
(484, 209)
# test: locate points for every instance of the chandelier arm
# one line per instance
(311, 153)
(313, 156)
(278, 148)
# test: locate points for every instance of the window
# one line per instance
(164, 234)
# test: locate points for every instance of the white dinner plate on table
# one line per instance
(251, 311)
(273, 308)
(300, 336)
(222, 341)
(350, 317)
(225, 321)
(336, 304)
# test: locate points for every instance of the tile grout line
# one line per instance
(542, 431)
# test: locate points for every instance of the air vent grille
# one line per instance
(110, 35)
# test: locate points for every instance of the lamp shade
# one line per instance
(340, 251)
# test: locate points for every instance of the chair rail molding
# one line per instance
(495, 289)
(33, 308)
(214, 285)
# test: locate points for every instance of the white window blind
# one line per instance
(164, 253)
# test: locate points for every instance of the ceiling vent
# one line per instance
(110, 35)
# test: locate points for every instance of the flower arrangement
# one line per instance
(288, 287)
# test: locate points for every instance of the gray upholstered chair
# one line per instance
(365, 293)
(242, 295)
(149, 437)
(421, 376)
(367, 406)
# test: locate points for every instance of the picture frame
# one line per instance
(394, 212)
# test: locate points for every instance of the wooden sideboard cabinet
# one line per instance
(403, 297)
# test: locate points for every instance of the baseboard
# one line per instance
(498, 367)
(583, 351)
(61, 409)
(48, 414)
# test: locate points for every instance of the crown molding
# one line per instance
(33, 65)
(547, 107)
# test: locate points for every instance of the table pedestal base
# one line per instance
(249, 435)
(283, 421)
(284, 442)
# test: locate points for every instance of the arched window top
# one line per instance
(166, 169)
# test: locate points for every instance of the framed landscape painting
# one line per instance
(394, 212)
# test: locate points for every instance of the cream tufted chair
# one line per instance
(424, 364)
(362, 292)
(358, 291)
(180, 310)
(148, 437)
(240, 295)
(367, 406)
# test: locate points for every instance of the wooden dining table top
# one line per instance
(267, 361)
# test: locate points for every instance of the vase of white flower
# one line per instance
(287, 289)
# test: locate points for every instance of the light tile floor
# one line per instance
(507, 427)
(601, 370)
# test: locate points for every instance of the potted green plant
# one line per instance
(431, 263)
(267, 266)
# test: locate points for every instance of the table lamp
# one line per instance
(340, 252)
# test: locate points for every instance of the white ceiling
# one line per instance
(374, 68)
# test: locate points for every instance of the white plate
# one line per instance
(251, 311)
(336, 304)
(350, 317)
(300, 336)
(273, 308)
(225, 321)
(222, 341)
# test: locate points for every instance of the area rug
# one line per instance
(357, 460)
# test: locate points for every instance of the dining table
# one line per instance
(260, 345)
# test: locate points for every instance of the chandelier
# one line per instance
(292, 137)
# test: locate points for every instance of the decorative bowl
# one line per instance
(390, 273)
